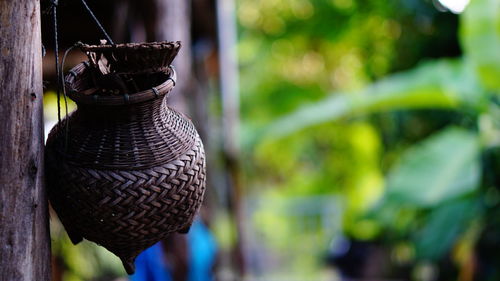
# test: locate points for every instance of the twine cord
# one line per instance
(60, 67)
(97, 22)
(63, 83)
(54, 4)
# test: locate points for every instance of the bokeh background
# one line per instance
(346, 139)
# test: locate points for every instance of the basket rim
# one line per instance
(131, 46)
(96, 99)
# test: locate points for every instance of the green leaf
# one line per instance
(442, 167)
(438, 84)
(480, 37)
(443, 227)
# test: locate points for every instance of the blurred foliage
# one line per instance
(376, 102)
(50, 106)
(85, 261)
(440, 84)
(435, 170)
(480, 39)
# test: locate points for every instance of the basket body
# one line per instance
(125, 175)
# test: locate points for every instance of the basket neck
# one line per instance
(103, 114)
(79, 83)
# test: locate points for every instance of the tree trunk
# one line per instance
(24, 232)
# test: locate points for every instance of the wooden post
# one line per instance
(229, 85)
(173, 23)
(24, 230)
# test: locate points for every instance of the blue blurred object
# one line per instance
(202, 247)
(150, 265)
(202, 252)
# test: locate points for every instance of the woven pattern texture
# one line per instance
(128, 211)
(125, 174)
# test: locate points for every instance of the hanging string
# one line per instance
(97, 22)
(60, 77)
(59, 68)
(63, 83)
(54, 4)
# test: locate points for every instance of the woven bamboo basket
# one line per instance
(124, 171)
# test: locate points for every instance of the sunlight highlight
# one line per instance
(455, 6)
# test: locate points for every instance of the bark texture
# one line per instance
(24, 232)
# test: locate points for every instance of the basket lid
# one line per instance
(131, 57)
